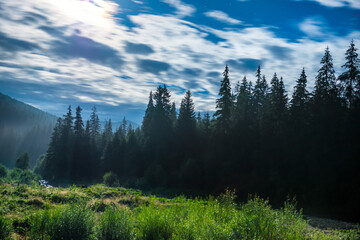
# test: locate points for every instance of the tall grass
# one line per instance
(69, 222)
(116, 224)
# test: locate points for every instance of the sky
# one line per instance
(111, 54)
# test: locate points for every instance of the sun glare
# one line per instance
(91, 12)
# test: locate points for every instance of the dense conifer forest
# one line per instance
(260, 140)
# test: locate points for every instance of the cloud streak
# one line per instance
(222, 17)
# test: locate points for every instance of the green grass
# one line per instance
(100, 212)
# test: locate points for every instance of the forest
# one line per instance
(260, 141)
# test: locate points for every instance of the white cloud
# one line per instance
(182, 9)
(312, 27)
(339, 3)
(222, 17)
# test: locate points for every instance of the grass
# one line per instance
(100, 212)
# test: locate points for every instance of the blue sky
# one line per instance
(112, 53)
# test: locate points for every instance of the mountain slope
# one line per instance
(23, 128)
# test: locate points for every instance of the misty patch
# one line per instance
(76, 46)
(152, 66)
(244, 64)
(9, 44)
(280, 52)
(138, 48)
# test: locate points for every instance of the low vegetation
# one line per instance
(101, 212)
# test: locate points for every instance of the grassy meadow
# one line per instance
(101, 212)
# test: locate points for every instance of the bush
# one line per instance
(115, 225)
(5, 228)
(23, 176)
(27, 176)
(70, 222)
(111, 179)
(3, 171)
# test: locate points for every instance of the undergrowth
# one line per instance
(100, 212)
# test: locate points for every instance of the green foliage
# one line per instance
(3, 171)
(111, 179)
(22, 161)
(116, 224)
(149, 217)
(155, 223)
(5, 228)
(70, 222)
(23, 176)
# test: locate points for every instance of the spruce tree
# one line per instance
(79, 124)
(300, 95)
(94, 125)
(173, 115)
(242, 105)
(325, 89)
(350, 78)
(147, 120)
(187, 120)
(259, 93)
(224, 104)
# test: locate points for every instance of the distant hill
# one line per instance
(23, 128)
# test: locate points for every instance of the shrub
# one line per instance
(5, 228)
(111, 179)
(14, 173)
(27, 176)
(115, 224)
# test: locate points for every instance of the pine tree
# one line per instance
(68, 122)
(173, 115)
(79, 124)
(325, 90)
(224, 104)
(350, 79)
(242, 105)
(259, 93)
(147, 120)
(300, 95)
(94, 125)
(187, 120)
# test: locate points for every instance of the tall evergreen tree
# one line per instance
(94, 125)
(242, 105)
(224, 104)
(147, 120)
(187, 120)
(79, 124)
(350, 78)
(325, 89)
(173, 115)
(300, 95)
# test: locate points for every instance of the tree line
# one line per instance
(259, 140)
